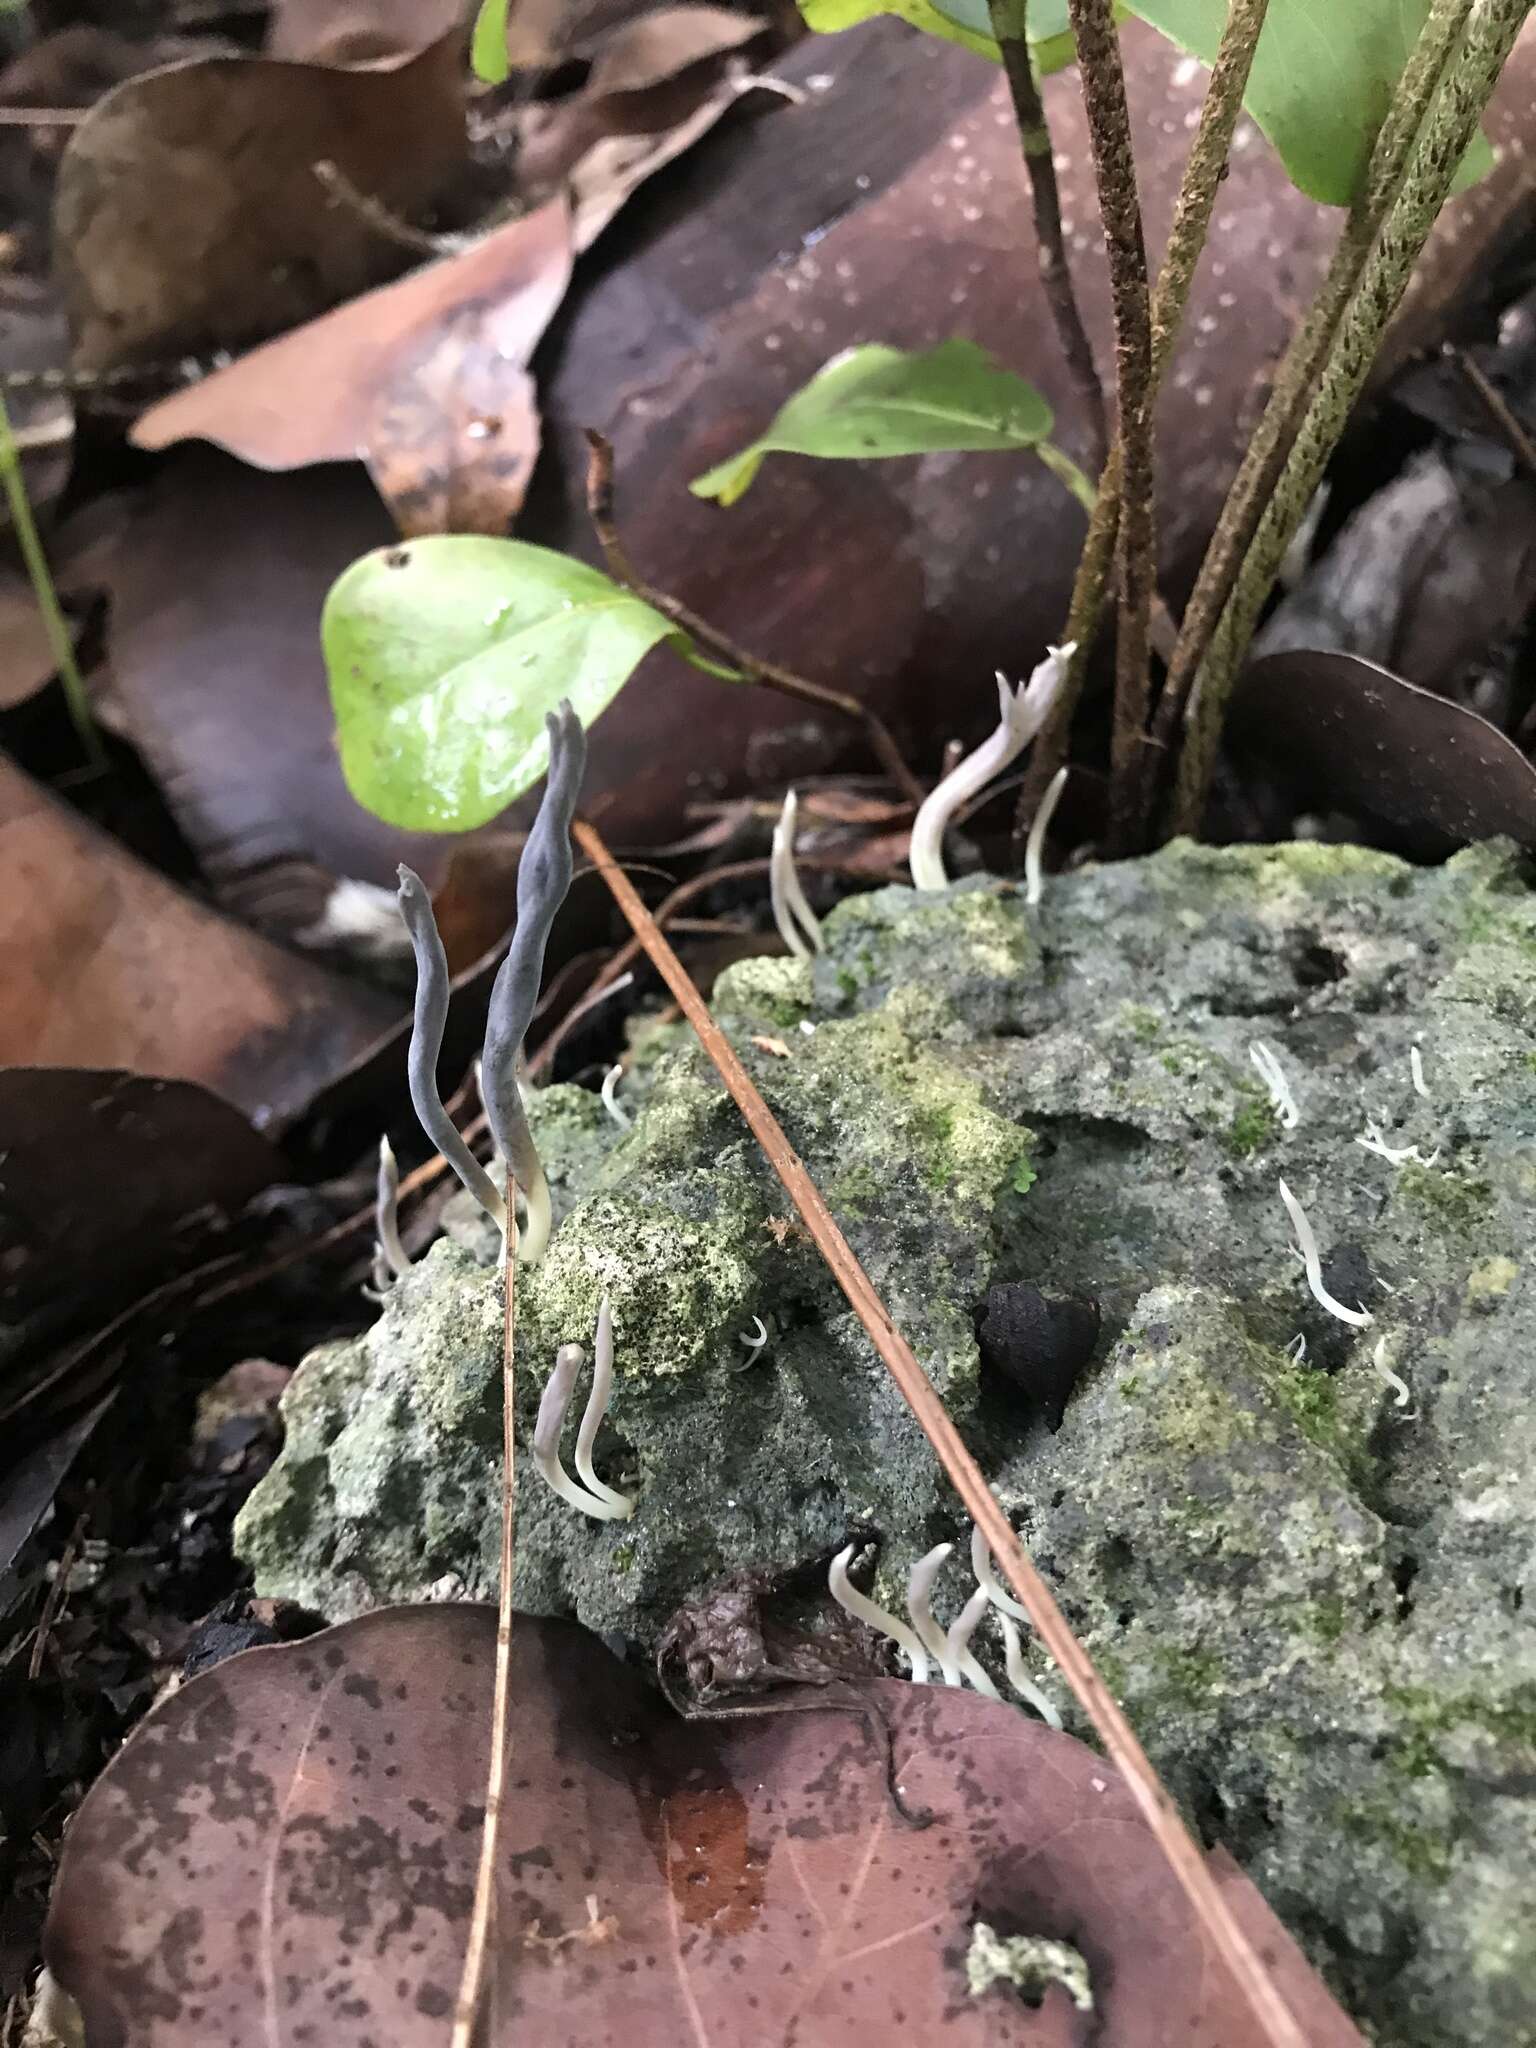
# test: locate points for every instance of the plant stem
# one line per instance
(482, 1917)
(1443, 139)
(1109, 128)
(60, 645)
(1010, 25)
(1066, 471)
(1296, 379)
(1203, 173)
(746, 666)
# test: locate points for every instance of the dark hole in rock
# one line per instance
(1315, 964)
(1038, 1343)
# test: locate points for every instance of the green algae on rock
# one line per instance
(1316, 1609)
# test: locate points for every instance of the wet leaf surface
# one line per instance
(1354, 737)
(445, 656)
(108, 965)
(188, 215)
(289, 1845)
(905, 194)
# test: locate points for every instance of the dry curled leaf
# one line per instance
(286, 1850)
(1350, 736)
(357, 31)
(108, 965)
(188, 215)
(424, 378)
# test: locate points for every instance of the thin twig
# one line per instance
(1444, 136)
(1109, 128)
(714, 642)
(1278, 2027)
(1010, 25)
(1520, 443)
(472, 1983)
(1296, 379)
(1198, 189)
(42, 117)
(373, 213)
(60, 646)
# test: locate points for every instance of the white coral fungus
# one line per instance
(1021, 713)
(1360, 1318)
(1273, 1076)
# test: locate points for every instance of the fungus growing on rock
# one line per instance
(390, 1262)
(603, 1503)
(1022, 710)
(1034, 845)
(862, 1608)
(1272, 1074)
(799, 926)
(543, 877)
(611, 1080)
(1360, 1318)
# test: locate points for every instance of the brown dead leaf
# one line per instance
(102, 1171)
(288, 1846)
(1354, 737)
(108, 965)
(188, 215)
(358, 31)
(425, 378)
(656, 86)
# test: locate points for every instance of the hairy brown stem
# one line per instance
(1010, 25)
(1198, 188)
(1296, 379)
(1109, 128)
(483, 1915)
(1276, 2025)
(716, 643)
(1441, 144)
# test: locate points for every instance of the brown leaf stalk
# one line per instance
(482, 1917)
(1296, 378)
(1468, 71)
(1010, 26)
(1109, 129)
(1277, 2026)
(715, 643)
(1198, 188)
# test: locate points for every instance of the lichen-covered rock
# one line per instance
(1315, 1603)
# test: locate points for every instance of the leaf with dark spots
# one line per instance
(1347, 735)
(250, 1868)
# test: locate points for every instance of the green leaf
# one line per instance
(444, 655)
(958, 21)
(488, 45)
(1322, 78)
(880, 401)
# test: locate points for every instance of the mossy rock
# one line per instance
(1315, 1603)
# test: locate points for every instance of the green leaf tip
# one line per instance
(876, 401)
(488, 43)
(444, 656)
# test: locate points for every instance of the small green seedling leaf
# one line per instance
(444, 656)
(879, 401)
(488, 44)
